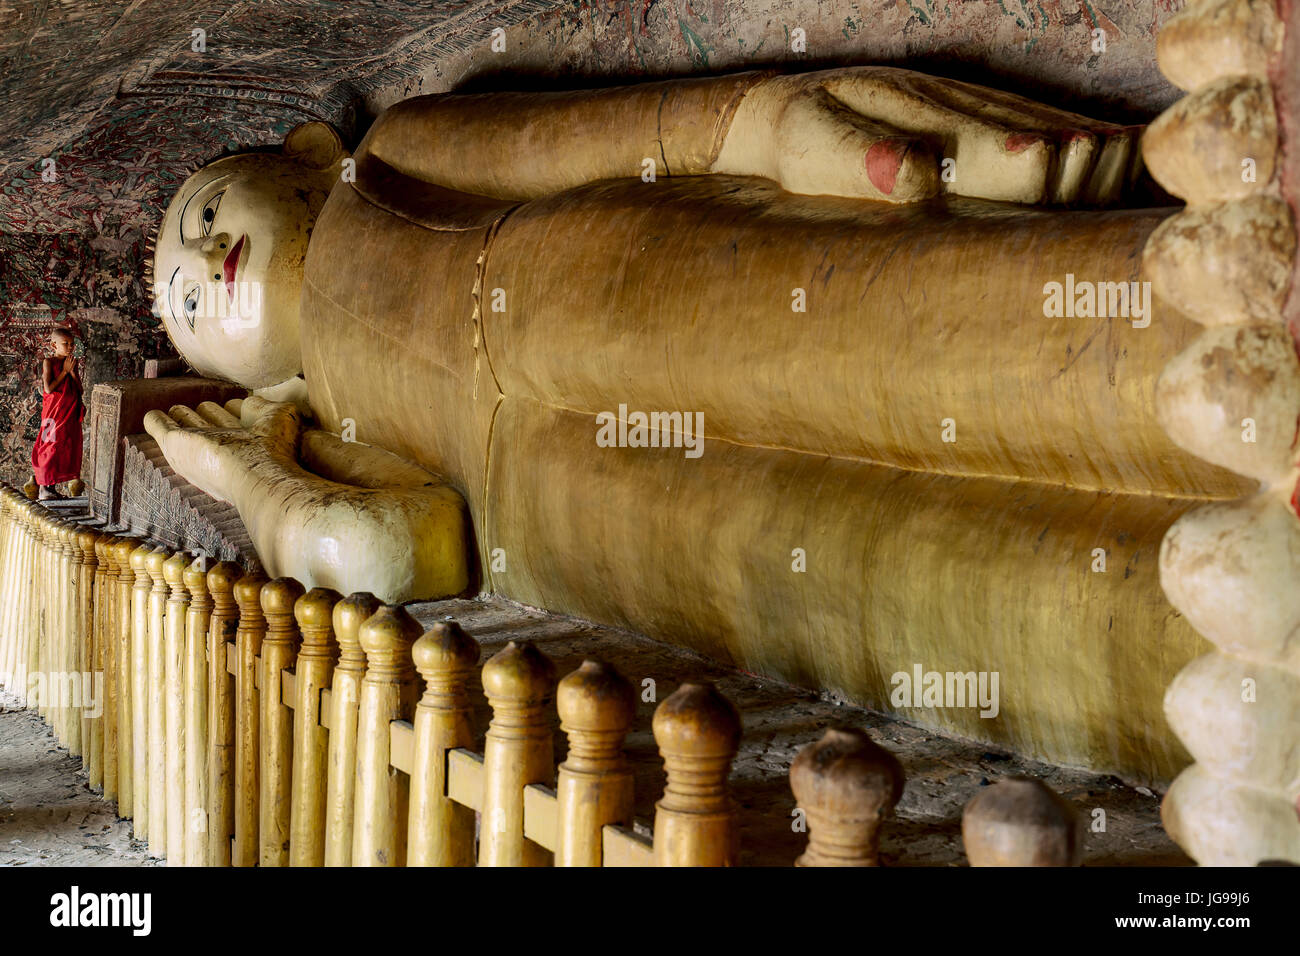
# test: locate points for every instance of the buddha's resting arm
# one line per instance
(866, 132)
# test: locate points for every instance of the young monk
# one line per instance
(56, 456)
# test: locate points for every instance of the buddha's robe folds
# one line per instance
(827, 535)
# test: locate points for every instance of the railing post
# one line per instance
(596, 705)
(26, 596)
(6, 573)
(197, 617)
(156, 750)
(133, 680)
(698, 732)
(19, 585)
(54, 630)
(388, 693)
(1020, 821)
(100, 662)
(17, 623)
(846, 785)
(345, 695)
(33, 569)
(36, 612)
(72, 706)
(61, 635)
(36, 609)
(8, 587)
(518, 750)
(49, 604)
(7, 569)
(315, 668)
(113, 676)
(38, 656)
(222, 629)
(248, 646)
(178, 604)
(86, 655)
(32, 606)
(133, 609)
(57, 630)
(275, 736)
(441, 831)
(25, 624)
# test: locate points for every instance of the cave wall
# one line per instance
(119, 97)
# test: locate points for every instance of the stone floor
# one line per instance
(49, 816)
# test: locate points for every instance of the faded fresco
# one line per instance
(109, 104)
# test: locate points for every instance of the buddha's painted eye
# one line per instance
(209, 214)
(191, 305)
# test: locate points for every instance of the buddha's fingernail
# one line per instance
(884, 160)
(1017, 142)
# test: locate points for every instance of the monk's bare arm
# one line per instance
(49, 380)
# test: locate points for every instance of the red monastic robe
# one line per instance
(56, 456)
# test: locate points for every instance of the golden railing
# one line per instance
(244, 722)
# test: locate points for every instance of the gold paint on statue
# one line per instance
(424, 322)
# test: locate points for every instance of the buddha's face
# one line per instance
(228, 265)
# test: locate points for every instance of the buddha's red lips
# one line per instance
(228, 267)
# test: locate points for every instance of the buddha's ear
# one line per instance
(315, 145)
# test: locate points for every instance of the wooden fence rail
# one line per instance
(240, 721)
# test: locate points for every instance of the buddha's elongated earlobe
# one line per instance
(315, 145)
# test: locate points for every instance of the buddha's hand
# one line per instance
(891, 134)
(387, 526)
(226, 452)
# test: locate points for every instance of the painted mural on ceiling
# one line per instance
(107, 105)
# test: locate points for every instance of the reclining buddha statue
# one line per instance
(847, 378)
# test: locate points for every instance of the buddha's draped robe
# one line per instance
(482, 335)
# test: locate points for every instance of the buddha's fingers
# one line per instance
(1113, 172)
(217, 416)
(1077, 139)
(276, 420)
(159, 425)
(199, 454)
(188, 417)
(825, 148)
(978, 156)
